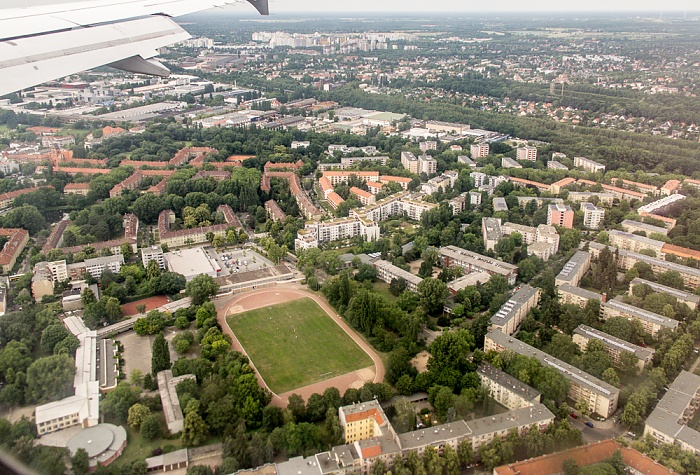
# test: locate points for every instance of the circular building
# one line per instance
(103, 443)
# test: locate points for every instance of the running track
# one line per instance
(275, 295)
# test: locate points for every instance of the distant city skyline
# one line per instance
(444, 6)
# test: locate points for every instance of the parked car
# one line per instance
(573, 415)
(589, 424)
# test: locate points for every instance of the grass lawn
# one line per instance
(383, 289)
(138, 448)
(296, 344)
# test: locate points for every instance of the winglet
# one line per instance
(261, 6)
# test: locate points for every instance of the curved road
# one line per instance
(280, 294)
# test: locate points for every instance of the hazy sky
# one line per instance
(444, 6)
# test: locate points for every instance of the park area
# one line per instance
(296, 344)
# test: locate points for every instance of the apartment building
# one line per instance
(479, 150)
(334, 200)
(588, 165)
(631, 226)
(335, 230)
(274, 211)
(46, 275)
(593, 216)
(386, 272)
(668, 422)
(439, 183)
(560, 215)
(670, 187)
(507, 162)
(153, 253)
(690, 299)
(605, 199)
(182, 237)
(410, 162)
(634, 242)
(475, 198)
(569, 294)
(401, 180)
(428, 145)
(574, 269)
(81, 189)
(17, 240)
(527, 153)
(523, 420)
(97, 266)
(338, 177)
(6, 199)
(468, 280)
(523, 201)
(499, 204)
(362, 421)
(473, 262)
(515, 310)
(427, 165)
(614, 346)
(627, 259)
(374, 188)
(542, 241)
(491, 232)
(459, 203)
(602, 398)
(505, 389)
(662, 205)
(651, 322)
(555, 165)
(466, 161)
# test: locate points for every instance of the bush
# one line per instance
(182, 323)
(150, 427)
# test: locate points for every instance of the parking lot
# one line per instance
(238, 260)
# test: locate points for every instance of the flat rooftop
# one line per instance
(513, 305)
(504, 379)
(678, 294)
(622, 307)
(189, 262)
(568, 371)
(666, 416)
(578, 291)
(614, 342)
(524, 416)
(571, 268)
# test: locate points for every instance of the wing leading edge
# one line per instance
(39, 44)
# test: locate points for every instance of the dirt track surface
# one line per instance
(276, 295)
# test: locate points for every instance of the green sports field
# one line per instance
(296, 344)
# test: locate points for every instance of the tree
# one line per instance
(397, 286)
(51, 336)
(610, 376)
(126, 250)
(141, 308)
(432, 293)
(137, 414)
(202, 288)
(116, 403)
(150, 427)
(160, 357)
(448, 361)
(80, 462)
(88, 296)
(113, 309)
(398, 365)
(195, 430)
(50, 378)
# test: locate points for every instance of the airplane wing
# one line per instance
(43, 43)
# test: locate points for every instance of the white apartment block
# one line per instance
(427, 165)
(335, 230)
(386, 272)
(634, 243)
(651, 322)
(691, 300)
(592, 215)
(473, 262)
(515, 310)
(410, 162)
(555, 165)
(507, 162)
(153, 253)
(97, 266)
(527, 153)
(605, 199)
(631, 226)
(588, 164)
(627, 259)
(475, 198)
(505, 389)
(614, 347)
(568, 294)
(668, 422)
(575, 269)
(479, 150)
(602, 397)
(428, 145)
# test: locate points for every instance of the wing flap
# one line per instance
(21, 22)
(31, 61)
